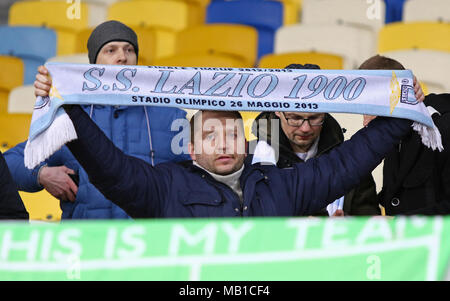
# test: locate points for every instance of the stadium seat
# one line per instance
(14, 128)
(80, 58)
(33, 45)
(146, 38)
(358, 13)
(265, 16)
(81, 40)
(41, 206)
(66, 19)
(377, 175)
(11, 76)
(431, 67)
(324, 60)
(198, 7)
(166, 18)
(351, 123)
(21, 100)
(148, 44)
(394, 10)
(3, 149)
(426, 10)
(356, 47)
(97, 9)
(291, 11)
(249, 118)
(199, 60)
(415, 35)
(103, 2)
(240, 42)
(106, 2)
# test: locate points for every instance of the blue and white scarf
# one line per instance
(373, 92)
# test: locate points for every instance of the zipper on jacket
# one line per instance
(235, 195)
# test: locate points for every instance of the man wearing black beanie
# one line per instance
(110, 31)
(143, 132)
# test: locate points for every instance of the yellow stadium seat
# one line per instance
(14, 128)
(424, 87)
(199, 7)
(324, 60)
(80, 58)
(147, 45)
(291, 11)
(199, 60)
(146, 39)
(66, 19)
(41, 206)
(235, 40)
(11, 76)
(249, 118)
(81, 40)
(415, 35)
(197, 2)
(165, 17)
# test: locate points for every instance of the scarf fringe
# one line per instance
(48, 142)
(431, 137)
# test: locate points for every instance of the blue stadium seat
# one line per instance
(265, 16)
(34, 45)
(394, 11)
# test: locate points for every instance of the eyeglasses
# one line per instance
(297, 121)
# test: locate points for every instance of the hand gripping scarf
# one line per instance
(373, 92)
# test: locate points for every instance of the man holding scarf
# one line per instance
(222, 181)
(143, 132)
(416, 179)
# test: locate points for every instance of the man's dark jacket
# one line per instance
(11, 205)
(183, 190)
(416, 179)
(361, 200)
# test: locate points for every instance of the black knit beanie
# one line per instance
(110, 31)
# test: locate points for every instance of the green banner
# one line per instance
(376, 248)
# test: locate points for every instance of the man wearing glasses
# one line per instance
(307, 135)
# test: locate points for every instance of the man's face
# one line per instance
(117, 53)
(219, 145)
(301, 137)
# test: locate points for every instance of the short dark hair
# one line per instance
(379, 62)
(192, 122)
(300, 66)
